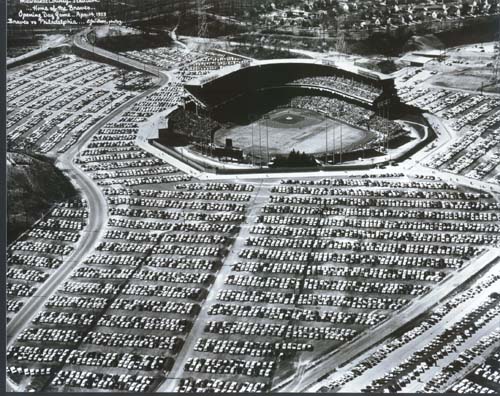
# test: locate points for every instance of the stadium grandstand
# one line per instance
(366, 88)
(291, 99)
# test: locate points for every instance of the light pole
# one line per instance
(340, 143)
(252, 150)
(326, 143)
(333, 149)
(267, 139)
(260, 146)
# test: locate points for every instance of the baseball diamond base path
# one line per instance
(293, 129)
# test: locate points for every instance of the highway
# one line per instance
(306, 376)
(398, 355)
(325, 365)
(80, 42)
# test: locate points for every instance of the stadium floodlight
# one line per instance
(267, 137)
(92, 38)
(260, 146)
(340, 122)
(251, 148)
(326, 143)
(333, 148)
(340, 143)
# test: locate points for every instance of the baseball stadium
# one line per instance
(257, 111)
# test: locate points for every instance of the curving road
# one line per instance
(97, 220)
(80, 42)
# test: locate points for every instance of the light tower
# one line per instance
(496, 57)
(202, 18)
(340, 45)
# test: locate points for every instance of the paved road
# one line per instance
(97, 220)
(329, 363)
(196, 332)
(397, 356)
(80, 41)
(97, 204)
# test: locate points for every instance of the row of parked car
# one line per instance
(434, 318)
(183, 194)
(293, 189)
(107, 382)
(40, 251)
(437, 348)
(249, 348)
(125, 340)
(176, 204)
(280, 330)
(328, 232)
(190, 385)
(384, 203)
(372, 212)
(250, 368)
(386, 303)
(461, 363)
(302, 315)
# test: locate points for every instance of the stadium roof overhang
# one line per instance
(340, 65)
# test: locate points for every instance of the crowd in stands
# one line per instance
(342, 85)
(198, 127)
(211, 61)
(348, 113)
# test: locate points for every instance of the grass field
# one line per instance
(468, 67)
(293, 129)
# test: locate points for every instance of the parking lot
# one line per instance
(483, 379)
(326, 260)
(51, 103)
(39, 252)
(474, 119)
(165, 239)
(421, 358)
(321, 262)
(283, 270)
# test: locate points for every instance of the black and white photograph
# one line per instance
(251, 196)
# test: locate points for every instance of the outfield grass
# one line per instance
(293, 129)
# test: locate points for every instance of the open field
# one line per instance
(469, 67)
